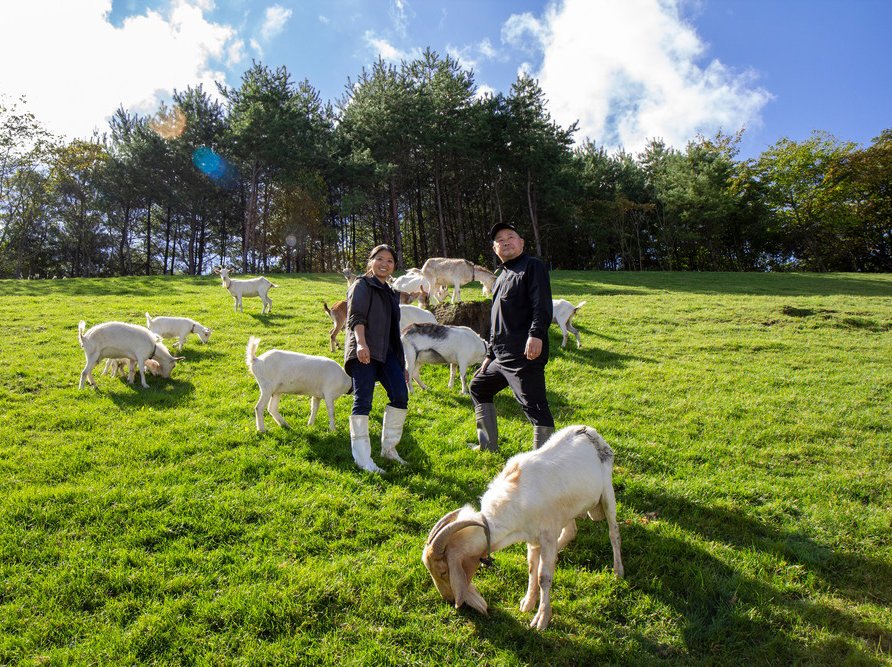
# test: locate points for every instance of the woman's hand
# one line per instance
(363, 354)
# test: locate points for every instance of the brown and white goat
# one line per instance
(535, 499)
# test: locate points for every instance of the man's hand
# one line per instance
(533, 348)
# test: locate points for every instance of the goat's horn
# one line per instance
(442, 522)
(439, 544)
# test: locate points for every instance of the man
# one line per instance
(518, 342)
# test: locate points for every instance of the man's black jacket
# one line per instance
(521, 307)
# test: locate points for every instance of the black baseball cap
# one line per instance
(502, 225)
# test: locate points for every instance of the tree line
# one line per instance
(268, 177)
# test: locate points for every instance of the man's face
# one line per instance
(507, 244)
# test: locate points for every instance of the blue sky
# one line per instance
(626, 70)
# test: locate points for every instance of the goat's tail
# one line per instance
(271, 284)
(251, 352)
(81, 327)
(580, 305)
(148, 321)
(327, 309)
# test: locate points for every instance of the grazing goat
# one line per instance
(563, 314)
(444, 271)
(250, 287)
(115, 367)
(279, 372)
(535, 499)
(441, 344)
(177, 327)
(117, 340)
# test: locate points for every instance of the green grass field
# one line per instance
(751, 416)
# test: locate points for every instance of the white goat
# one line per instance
(115, 367)
(349, 276)
(414, 286)
(443, 271)
(338, 315)
(246, 287)
(414, 315)
(177, 327)
(279, 372)
(121, 340)
(441, 344)
(535, 499)
(563, 314)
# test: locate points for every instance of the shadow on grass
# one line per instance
(567, 284)
(162, 393)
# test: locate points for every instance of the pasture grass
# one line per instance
(750, 415)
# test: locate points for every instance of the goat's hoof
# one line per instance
(527, 604)
(540, 620)
(393, 456)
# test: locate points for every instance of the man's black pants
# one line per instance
(527, 381)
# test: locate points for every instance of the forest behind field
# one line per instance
(268, 176)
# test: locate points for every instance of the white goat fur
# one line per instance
(115, 367)
(444, 271)
(246, 287)
(413, 286)
(562, 316)
(441, 344)
(279, 372)
(177, 327)
(117, 340)
(535, 499)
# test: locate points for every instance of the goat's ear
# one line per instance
(178, 358)
(475, 600)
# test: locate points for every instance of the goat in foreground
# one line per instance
(177, 327)
(246, 287)
(441, 344)
(562, 315)
(117, 340)
(279, 372)
(535, 499)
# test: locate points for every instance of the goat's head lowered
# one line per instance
(452, 554)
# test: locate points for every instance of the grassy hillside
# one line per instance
(751, 417)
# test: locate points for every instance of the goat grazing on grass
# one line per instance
(279, 372)
(563, 315)
(118, 340)
(441, 344)
(246, 287)
(535, 499)
(443, 271)
(177, 327)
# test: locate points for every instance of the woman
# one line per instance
(373, 352)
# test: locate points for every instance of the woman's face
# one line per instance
(383, 265)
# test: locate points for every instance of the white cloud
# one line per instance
(401, 14)
(629, 71)
(76, 68)
(274, 20)
(324, 19)
(387, 51)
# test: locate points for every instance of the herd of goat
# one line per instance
(537, 496)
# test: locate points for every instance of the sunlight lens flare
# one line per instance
(217, 168)
(168, 123)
